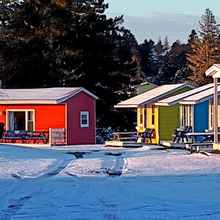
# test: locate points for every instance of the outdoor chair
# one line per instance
(148, 135)
(180, 134)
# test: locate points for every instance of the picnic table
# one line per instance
(124, 136)
(201, 136)
(200, 140)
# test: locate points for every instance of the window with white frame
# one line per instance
(186, 115)
(153, 115)
(30, 120)
(211, 114)
(141, 118)
(20, 119)
(84, 119)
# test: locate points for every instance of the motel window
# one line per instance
(30, 120)
(84, 119)
(153, 115)
(141, 116)
(145, 116)
(211, 114)
(187, 115)
(19, 119)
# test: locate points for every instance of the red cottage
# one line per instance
(72, 110)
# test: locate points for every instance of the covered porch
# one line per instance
(159, 121)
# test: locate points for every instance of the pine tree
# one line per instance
(173, 68)
(148, 62)
(204, 51)
(166, 45)
(69, 43)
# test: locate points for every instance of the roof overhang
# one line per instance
(164, 104)
(47, 101)
(22, 101)
(125, 106)
(214, 71)
(197, 101)
(153, 100)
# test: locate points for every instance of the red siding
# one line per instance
(66, 115)
(76, 134)
(46, 116)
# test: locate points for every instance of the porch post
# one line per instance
(215, 124)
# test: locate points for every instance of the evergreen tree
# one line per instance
(148, 63)
(69, 43)
(173, 68)
(205, 50)
(166, 45)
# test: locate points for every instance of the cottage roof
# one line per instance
(175, 99)
(40, 95)
(200, 97)
(150, 96)
(214, 71)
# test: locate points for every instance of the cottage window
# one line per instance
(141, 116)
(84, 119)
(30, 120)
(19, 119)
(153, 115)
(187, 115)
(211, 115)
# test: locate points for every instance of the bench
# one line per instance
(124, 136)
(196, 147)
(28, 137)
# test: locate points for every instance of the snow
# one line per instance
(204, 95)
(40, 95)
(150, 95)
(24, 168)
(74, 183)
(175, 99)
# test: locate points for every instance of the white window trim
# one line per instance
(87, 116)
(26, 117)
(189, 115)
(210, 115)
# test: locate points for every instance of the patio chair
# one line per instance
(148, 135)
(180, 134)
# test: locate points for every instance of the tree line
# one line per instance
(183, 62)
(74, 43)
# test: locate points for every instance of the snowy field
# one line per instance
(93, 182)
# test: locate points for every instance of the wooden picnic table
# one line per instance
(206, 135)
(124, 136)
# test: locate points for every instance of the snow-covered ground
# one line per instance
(79, 183)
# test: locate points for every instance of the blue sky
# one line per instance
(146, 7)
(159, 18)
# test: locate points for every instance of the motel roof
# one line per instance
(199, 97)
(151, 96)
(175, 99)
(214, 71)
(54, 95)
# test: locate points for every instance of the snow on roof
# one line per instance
(214, 71)
(150, 96)
(200, 97)
(40, 96)
(175, 99)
